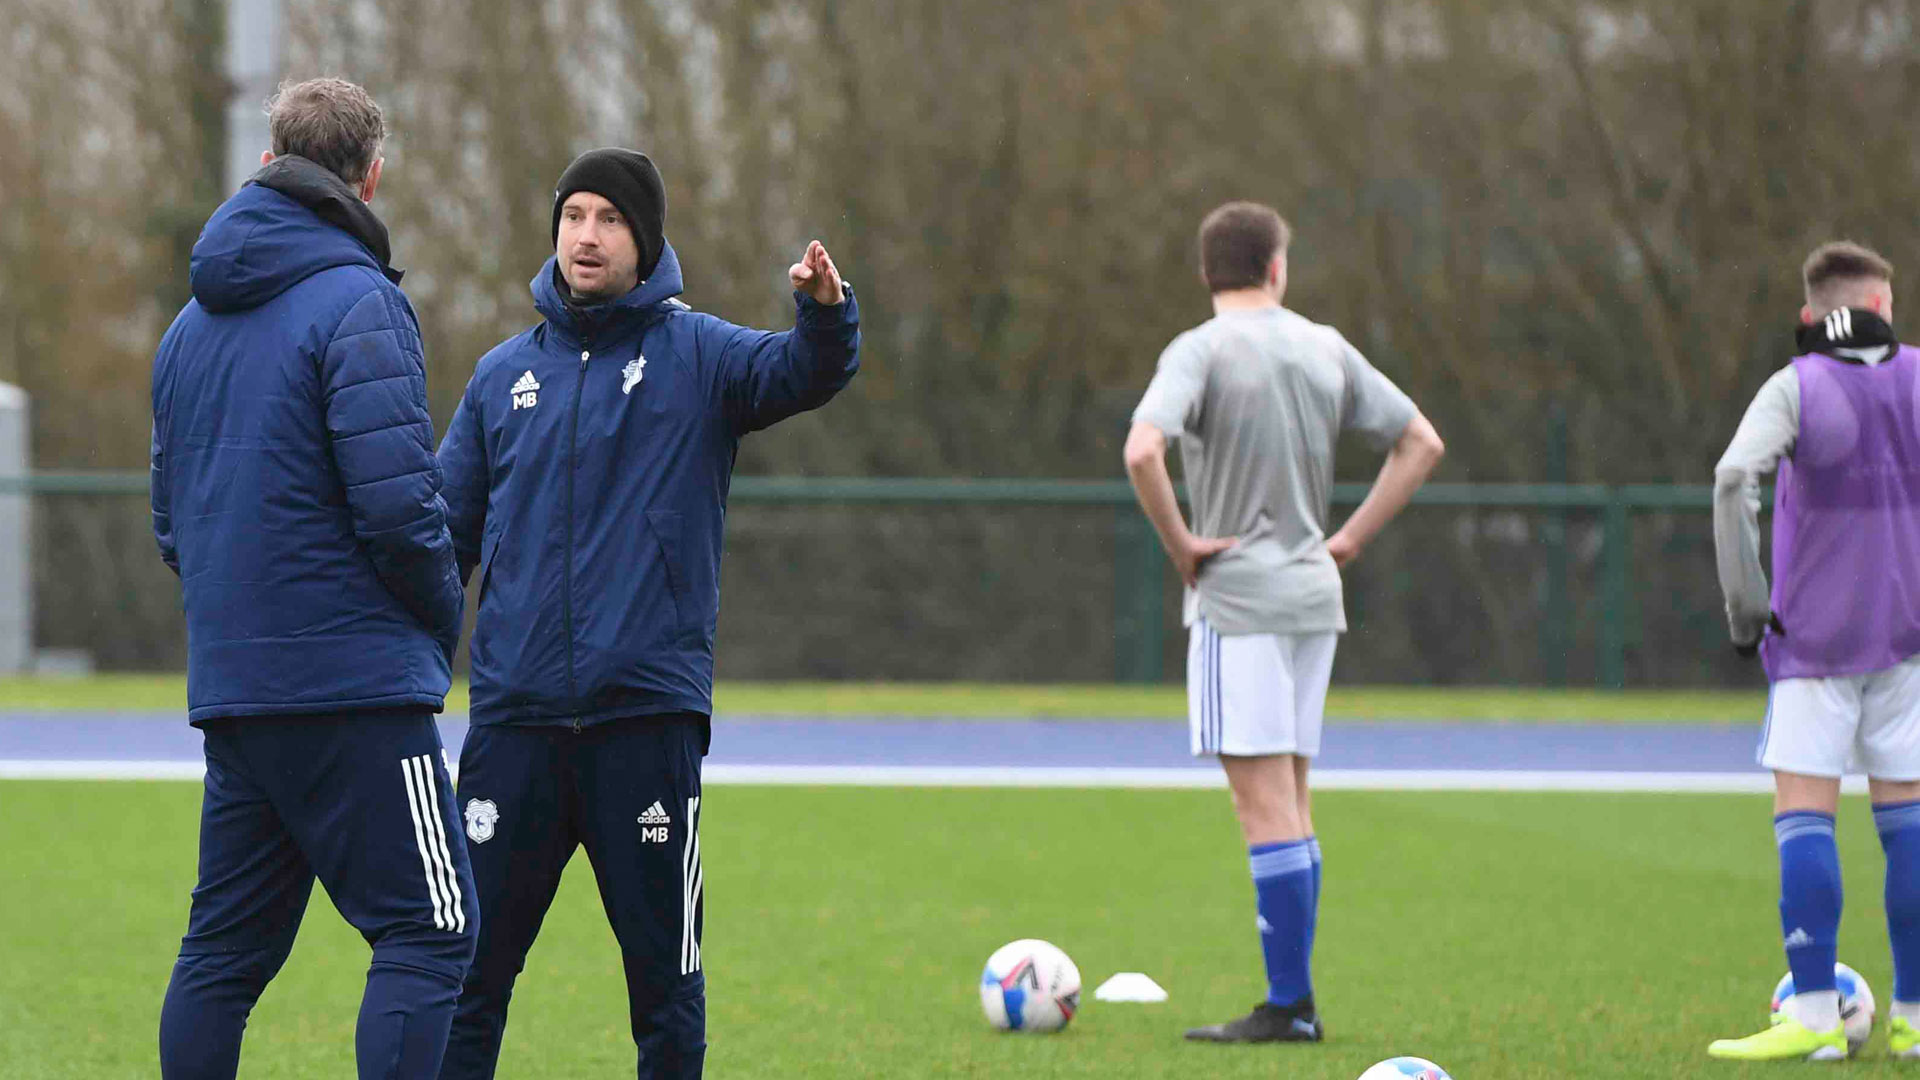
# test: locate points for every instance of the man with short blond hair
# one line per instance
(1838, 630)
(1840, 274)
(1257, 396)
(295, 492)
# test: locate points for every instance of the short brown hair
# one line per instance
(1237, 242)
(1837, 264)
(330, 122)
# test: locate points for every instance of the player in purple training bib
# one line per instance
(1839, 631)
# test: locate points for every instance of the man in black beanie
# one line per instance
(586, 475)
(628, 180)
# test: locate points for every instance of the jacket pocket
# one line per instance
(479, 647)
(666, 528)
(489, 548)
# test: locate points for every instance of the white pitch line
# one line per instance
(974, 776)
(1028, 776)
(101, 770)
(1196, 778)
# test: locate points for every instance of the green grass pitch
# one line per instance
(1502, 935)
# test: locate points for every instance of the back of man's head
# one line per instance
(1237, 243)
(1842, 274)
(330, 122)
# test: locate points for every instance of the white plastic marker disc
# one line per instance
(1130, 986)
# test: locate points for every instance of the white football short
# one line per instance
(1253, 694)
(1846, 723)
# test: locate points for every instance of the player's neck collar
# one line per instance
(1844, 328)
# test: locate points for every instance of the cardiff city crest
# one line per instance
(481, 814)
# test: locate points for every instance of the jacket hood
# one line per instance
(292, 220)
(652, 295)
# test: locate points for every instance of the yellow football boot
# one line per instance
(1786, 1040)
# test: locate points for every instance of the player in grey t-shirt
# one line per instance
(1258, 396)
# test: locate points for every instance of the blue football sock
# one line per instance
(1283, 887)
(1809, 897)
(1899, 828)
(1313, 920)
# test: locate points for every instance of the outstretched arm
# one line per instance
(1146, 458)
(1408, 465)
(767, 377)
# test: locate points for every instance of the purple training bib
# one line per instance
(1846, 521)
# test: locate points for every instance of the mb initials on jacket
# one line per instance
(526, 392)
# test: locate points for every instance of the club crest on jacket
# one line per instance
(630, 375)
(481, 815)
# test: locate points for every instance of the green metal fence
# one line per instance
(1141, 620)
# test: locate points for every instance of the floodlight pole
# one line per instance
(16, 565)
(256, 54)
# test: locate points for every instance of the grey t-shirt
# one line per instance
(1257, 400)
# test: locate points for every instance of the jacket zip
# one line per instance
(566, 595)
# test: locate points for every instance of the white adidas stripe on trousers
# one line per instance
(690, 886)
(429, 832)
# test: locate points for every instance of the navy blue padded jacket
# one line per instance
(587, 471)
(294, 485)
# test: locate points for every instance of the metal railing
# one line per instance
(1139, 585)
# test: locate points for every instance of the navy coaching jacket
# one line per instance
(294, 485)
(587, 470)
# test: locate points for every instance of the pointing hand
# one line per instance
(816, 276)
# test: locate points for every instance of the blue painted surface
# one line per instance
(795, 740)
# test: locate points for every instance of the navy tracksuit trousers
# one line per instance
(361, 801)
(627, 790)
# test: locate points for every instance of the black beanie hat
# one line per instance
(628, 180)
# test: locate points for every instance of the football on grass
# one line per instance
(1856, 1003)
(1029, 985)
